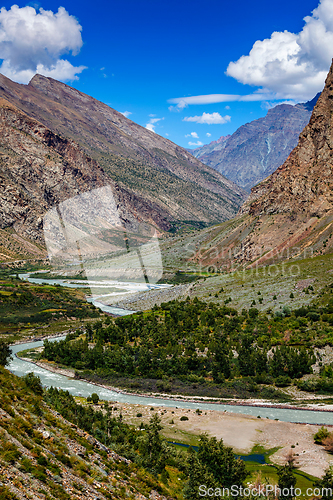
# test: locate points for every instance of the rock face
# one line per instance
(303, 184)
(214, 146)
(152, 168)
(39, 169)
(290, 214)
(258, 148)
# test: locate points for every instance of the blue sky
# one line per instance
(152, 59)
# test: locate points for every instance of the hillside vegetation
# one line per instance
(203, 349)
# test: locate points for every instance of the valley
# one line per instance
(174, 297)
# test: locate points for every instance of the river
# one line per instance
(82, 388)
(129, 287)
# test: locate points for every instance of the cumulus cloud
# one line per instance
(192, 134)
(208, 118)
(198, 143)
(208, 134)
(292, 65)
(33, 42)
(126, 113)
(151, 124)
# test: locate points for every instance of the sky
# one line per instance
(191, 71)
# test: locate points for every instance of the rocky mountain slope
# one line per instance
(257, 148)
(290, 214)
(202, 151)
(38, 170)
(165, 177)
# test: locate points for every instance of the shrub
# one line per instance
(34, 383)
(95, 398)
(184, 417)
(282, 381)
(253, 312)
(5, 353)
(321, 435)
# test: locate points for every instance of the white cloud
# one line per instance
(198, 143)
(215, 98)
(150, 127)
(180, 105)
(208, 134)
(192, 134)
(208, 118)
(227, 107)
(269, 104)
(32, 42)
(126, 113)
(151, 124)
(291, 65)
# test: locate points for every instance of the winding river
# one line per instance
(82, 388)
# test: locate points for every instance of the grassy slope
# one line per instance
(47, 466)
(28, 309)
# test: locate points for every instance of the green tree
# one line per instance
(34, 383)
(153, 448)
(95, 398)
(220, 461)
(326, 484)
(287, 481)
(197, 475)
(5, 353)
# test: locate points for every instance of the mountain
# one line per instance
(289, 214)
(38, 170)
(154, 180)
(257, 148)
(202, 151)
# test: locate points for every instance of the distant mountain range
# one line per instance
(289, 214)
(257, 148)
(57, 142)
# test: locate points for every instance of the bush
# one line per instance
(313, 316)
(5, 353)
(253, 312)
(95, 398)
(34, 383)
(282, 381)
(321, 435)
(183, 418)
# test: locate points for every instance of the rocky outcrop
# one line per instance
(258, 148)
(303, 184)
